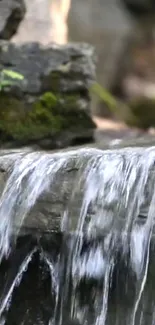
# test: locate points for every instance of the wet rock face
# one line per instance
(50, 106)
(35, 293)
(11, 14)
(64, 193)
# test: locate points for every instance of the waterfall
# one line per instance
(107, 239)
(5, 303)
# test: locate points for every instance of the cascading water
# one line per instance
(99, 275)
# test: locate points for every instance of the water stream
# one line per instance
(99, 274)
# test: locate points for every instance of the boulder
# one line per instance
(11, 14)
(50, 106)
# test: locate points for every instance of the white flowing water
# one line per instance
(117, 188)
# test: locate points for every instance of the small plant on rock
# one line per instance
(8, 78)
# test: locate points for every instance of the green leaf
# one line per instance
(105, 96)
(12, 74)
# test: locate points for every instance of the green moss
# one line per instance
(142, 113)
(49, 115)
(48, 99)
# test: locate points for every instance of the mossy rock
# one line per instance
(49, 116)
(141, 113)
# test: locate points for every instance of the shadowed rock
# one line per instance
(11, 14)
(139, 8)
